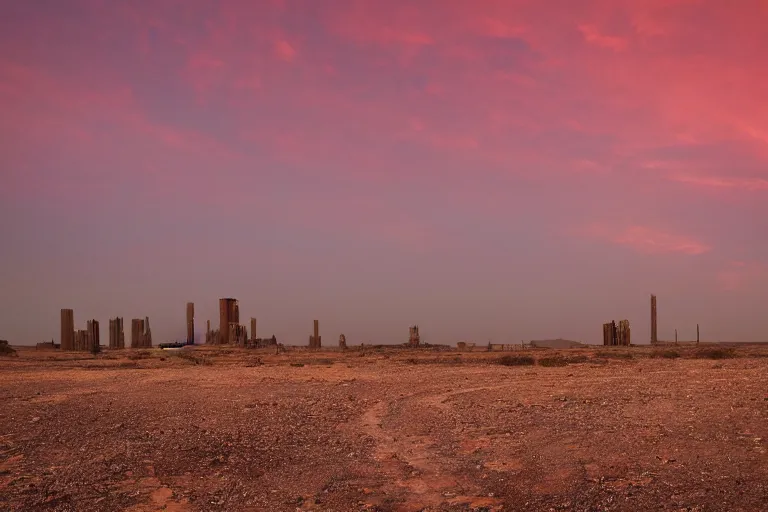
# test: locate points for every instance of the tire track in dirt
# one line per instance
(411, 465)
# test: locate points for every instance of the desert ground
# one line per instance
(227, 429)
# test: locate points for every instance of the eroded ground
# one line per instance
(387, 430)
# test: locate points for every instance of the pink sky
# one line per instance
(489, 169)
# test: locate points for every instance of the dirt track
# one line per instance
(381, 431)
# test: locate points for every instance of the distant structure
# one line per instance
(614, 334)
(253, 329)
(238, 334)
(45, 345)
(413, 336)
(190, 323)
(94, 338)
(141, 335)
(229, 313)
(208, 337)
(342, 342)
(315, 340)
(116, 333)
(81, 340)
(67, 339)
(654, 332)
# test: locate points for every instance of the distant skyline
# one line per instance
(499, 169)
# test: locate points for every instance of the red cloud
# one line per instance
(647, 240)
(654, 241)
(738, 275)
(593, 36)
(285, 51)
(747, 184)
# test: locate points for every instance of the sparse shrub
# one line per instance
(298, 365)
(581, 358)
(550, 362)
(516, 361)
(599, 361)
(665, 354)
(610, 354)
(7, 350)
(715, 353)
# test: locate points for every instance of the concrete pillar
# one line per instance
(67, 339)
(94, 338)
(137, 333)
(116, 334)
(654, 332)
(314, 339)
(229, 313)
(147, 334)
(253, 329)
(190, 323)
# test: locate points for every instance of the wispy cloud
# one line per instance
(646, 239)
(738, 275)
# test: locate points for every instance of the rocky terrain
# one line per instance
(224, 429)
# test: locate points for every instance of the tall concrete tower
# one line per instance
(315, 340)
(94, 339)
(229, 313)
(654, 332)
(253, 328)
(190, 323)
(116, 334)
(67, 339)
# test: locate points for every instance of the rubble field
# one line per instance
(386, 429)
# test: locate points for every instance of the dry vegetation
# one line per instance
(673, 428)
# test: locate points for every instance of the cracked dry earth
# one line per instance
(381, 433)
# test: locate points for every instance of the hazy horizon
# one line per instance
(504, 170)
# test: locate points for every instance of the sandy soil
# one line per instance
(388, 430)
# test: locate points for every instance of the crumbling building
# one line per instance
(141, 335)
(67, 340)
(413, 336)
(94, 338)
(315, 340)
(616, 334)
(116, 333)
(229, 313)
(238, 334)
(342, 342)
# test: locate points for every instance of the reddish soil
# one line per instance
(388, 430)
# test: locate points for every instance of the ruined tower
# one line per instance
(654, 332)
(137, 332)
(141, 335)
(342, 342)
(253, 329)
(147, 334)
(413, 336)
(190, 323)
(67, 339)
(315, 340)
(94, 340)
(208, 332)
(229, 313)
(116, 334)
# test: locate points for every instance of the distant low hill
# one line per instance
(558, 343)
